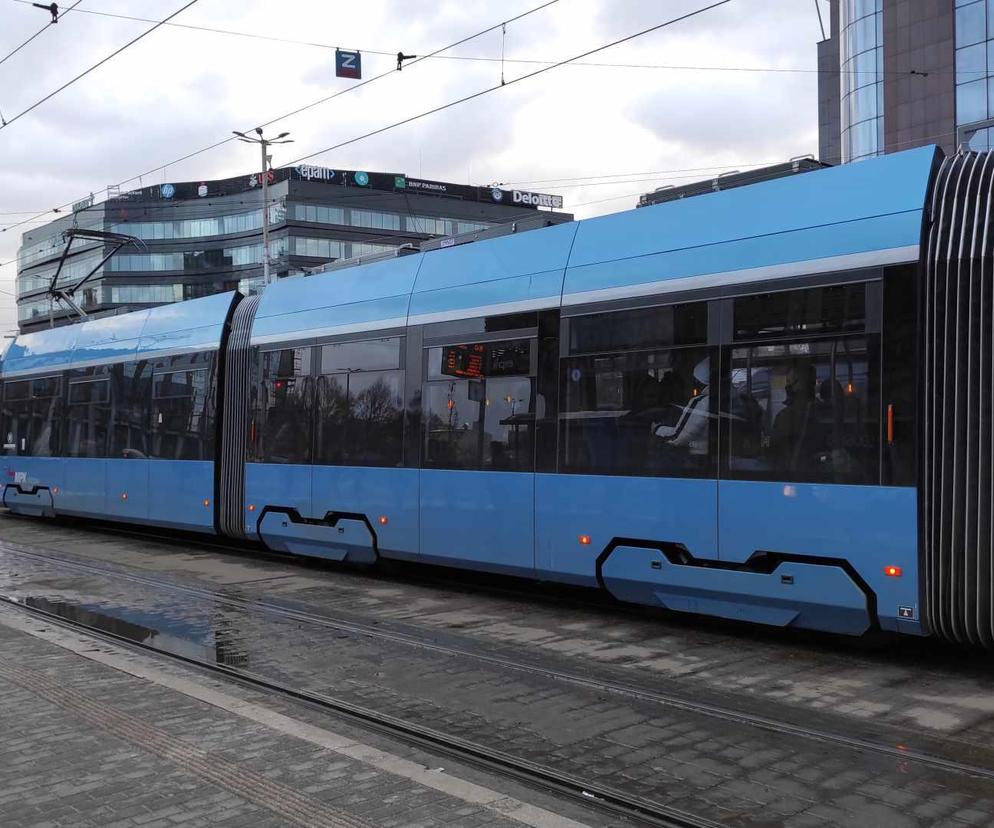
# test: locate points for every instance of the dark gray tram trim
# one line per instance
(235, 418)
(330, 519)
(957, 357)
(219, 397)
(761, 562)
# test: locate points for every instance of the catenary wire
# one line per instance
(301, 109)
(483, 58)
(41, 31)
(480, 93)
(893, 147)
(537, 72)
(96, 65)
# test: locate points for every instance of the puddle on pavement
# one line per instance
(215, 642)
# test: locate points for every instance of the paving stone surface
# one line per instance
(729, 771)
(85, 745)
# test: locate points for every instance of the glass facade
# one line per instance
(191, 248)
(318, 213)
(319, 248)
(375, 219)
(382, 220)
(862, 59)
(196, 260)
(144, 294)
(72, 271)
(200, 227)
(975, 68)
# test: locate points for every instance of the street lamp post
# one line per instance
(264, 144)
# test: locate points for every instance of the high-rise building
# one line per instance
(895, 74)
(203, 237)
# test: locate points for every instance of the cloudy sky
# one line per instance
(683, 107)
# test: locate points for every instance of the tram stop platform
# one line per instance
(94, 735)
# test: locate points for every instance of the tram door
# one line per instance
(477, 485)
(802, 423)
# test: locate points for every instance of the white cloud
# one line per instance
(179, 90)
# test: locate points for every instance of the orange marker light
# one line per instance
(55, 489)
(892, 571)
(206, 503)
(251, 507)
(124, 495)
(384, 520)
(584, 540)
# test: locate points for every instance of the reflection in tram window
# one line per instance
(32, 411)
(480, 406)
(485, 423)
(181, 427)
(130, 387)
(88, 417)
(804, 411)
(285, 408)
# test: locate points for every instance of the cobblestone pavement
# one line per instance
(122, 742)
(729, 772)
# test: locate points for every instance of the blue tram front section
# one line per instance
(113, 418)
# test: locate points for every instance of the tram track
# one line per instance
(898, 751)
(587, 793)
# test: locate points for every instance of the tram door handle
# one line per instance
(890, 424)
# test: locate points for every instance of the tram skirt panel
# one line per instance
(957, 364)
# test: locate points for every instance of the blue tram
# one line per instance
(771, 403)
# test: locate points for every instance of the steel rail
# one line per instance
(588, 794)
(670, 700)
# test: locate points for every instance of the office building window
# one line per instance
(318, 248)
(318, 214)
(375, 219)
(139, 294)
(975, 67)
(862, 78)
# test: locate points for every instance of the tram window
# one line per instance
(182, 421)
(638, 413)
(657, 327)
(804, 411)
(286, 406)
(480, 406)
(360, 419)
(130, 410)
(825, 310)
(900, 355)
(88, 417)
(32, 417)
(368, 355)
(288, 362)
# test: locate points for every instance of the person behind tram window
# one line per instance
(683, 440)
(835, 419)
(796, 440)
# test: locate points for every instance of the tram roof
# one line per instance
(850, 217)
(194, 325)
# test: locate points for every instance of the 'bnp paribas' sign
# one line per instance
(85, 204)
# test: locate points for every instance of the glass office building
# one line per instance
(895, 74)
(198, 238)
(975, 70)
(861, 75)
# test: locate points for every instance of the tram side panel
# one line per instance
(116, 418)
